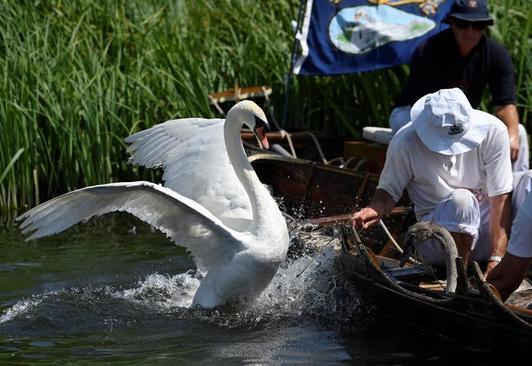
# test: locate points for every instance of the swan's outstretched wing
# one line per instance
(194, 158)
(183, 220)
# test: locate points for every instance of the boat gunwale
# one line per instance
(483, 294)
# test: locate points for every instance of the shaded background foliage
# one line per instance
(78, 76)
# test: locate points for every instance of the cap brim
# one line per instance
(470, 18)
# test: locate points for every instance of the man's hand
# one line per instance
(365, 218)
(489, 267)
(381, 204)
(515, 145)
(508, 274)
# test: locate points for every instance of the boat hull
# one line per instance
(323, 195)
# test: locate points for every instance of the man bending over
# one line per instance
(454, 162)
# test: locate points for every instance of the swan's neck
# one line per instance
(451, 253)
(258, 195)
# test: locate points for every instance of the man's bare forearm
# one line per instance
(500, 221)
(509, 116)
(382, 202)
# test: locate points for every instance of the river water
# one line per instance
(112, 290)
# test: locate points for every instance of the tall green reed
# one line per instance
(513, 28)
(79, 76)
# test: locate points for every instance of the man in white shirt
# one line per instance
(507, 276)
(454, 162)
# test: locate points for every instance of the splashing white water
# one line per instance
(308, 284)
(21, 307)
(164, 292)
(317, 290)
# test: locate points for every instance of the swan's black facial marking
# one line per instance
(261, 123)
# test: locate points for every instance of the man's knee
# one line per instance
(464, 205)
(460, 214)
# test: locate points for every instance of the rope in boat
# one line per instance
(289, 217)
(381, 223)
(427, 267)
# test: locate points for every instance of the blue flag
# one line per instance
(346, 36)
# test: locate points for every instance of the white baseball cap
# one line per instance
(446, 123)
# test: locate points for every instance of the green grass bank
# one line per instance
(79, 76)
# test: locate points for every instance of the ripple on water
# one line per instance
(308, 284)
(151, 318)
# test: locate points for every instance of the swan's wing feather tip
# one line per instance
(164, 209)
(24, 226)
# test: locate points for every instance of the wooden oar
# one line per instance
(330, 220)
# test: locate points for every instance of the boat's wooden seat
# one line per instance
(382, 135)
(408, 273)
(371, 154)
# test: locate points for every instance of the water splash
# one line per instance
(309, 284)
(21, 307)
(164, 292)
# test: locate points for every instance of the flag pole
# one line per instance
(288, 76)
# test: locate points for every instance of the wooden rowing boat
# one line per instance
(473, 314)
(323, 195)
(366, 156)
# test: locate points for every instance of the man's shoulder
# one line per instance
(495, 46)
(498, 55)
(404, 138)
(494, 123)
(497, 129)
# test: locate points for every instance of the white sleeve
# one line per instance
(496, 156)
(520, 243)
(397, 171)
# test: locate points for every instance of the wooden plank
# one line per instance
(373, 153)
(329, 220)
(364, 149)
(519, 309)
(238, 93)
(434, 286)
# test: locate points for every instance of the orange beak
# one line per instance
(261, 135)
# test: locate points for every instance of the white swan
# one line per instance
(212, 203)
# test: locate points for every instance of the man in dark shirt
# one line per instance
(464, 57)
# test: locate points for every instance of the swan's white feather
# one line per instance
(183, 220)
(225, 218)
(192, 153)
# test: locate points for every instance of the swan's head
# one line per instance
(251, 115)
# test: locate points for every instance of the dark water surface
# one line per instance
(114, 291)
